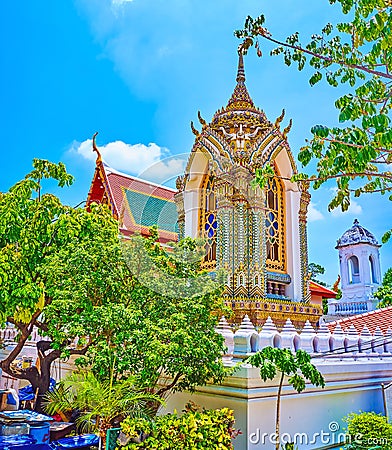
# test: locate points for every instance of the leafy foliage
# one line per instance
(272, 361)
(356, 53)
(384, 293)
(165, 335)
(101, 403)
(314, 271)
(54, 269)
(368, 430)
(284, 363)
(206, 430)
(136, 310)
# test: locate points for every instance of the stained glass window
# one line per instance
(208, 222)
(274, 226)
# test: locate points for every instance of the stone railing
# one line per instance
(323, 343)
(351, 307)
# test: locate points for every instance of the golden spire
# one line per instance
(287, 129)
(240, 98)
(241, 71)
(201, 120)
(279, 119)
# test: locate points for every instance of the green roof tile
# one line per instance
(148, 211)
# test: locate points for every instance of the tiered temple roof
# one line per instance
(137, 204)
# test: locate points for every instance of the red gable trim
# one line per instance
(318, 289)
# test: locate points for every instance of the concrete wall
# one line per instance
(312, 418)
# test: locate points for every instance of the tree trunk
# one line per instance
(39, 378)
(45, 363)
(277, 424)
(42, 386)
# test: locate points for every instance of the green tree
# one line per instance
(356, 53)
(368, 430)
(384, 293)
(314, 271)
(284, 363)
(56, 271)
(165, 335)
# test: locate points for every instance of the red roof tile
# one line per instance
(318, 289)
(136, 203)
(381, 318)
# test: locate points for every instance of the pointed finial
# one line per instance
(336, 284)
(201, 120)
(223, 324)
(246, 324)
(280, 118)
(288, 128)
(356, 222)
(241, 71)
(194, 131)
(95, 149)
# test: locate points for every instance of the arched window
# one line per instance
(353, 270)
(208, 223)
(257, 280)
(373, 275)
(241, 280)
(274, 225)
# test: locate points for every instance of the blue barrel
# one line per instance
(18, 440)
(40, 432)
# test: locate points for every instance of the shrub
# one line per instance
(205, 430)
(368, 430)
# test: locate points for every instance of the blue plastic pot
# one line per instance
(82, 441)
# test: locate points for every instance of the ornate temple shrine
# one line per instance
(257, 236)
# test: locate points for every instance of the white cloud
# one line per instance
(165, 170)
(313, 213)
(150, 161)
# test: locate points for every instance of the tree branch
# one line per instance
(25, 334)
(169, 386)
(349, 144)
(325, 58)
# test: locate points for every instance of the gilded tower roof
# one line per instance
(240, 99)
(240, 134)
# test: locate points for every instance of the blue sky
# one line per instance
(137, 72)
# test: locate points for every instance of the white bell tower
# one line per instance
(360, 272)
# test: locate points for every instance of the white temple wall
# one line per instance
(292, 202)
(192, 193)
(362, 252)
(354, 368)
(357, 293)
(350, 387)
(191, 208)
